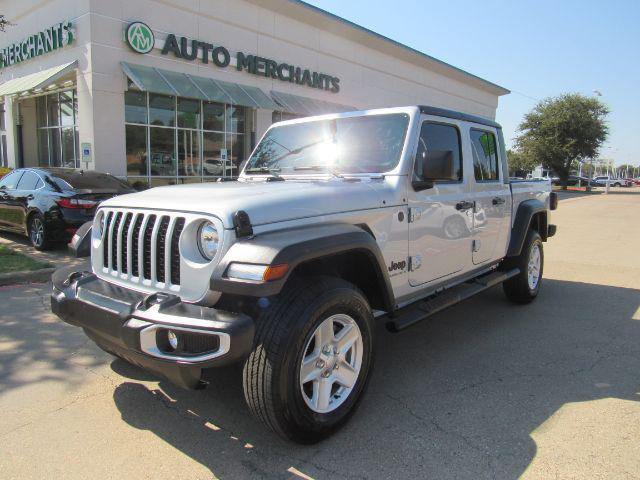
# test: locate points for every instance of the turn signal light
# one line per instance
(275, 272)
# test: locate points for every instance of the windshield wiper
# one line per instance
(319, 168)
(272, 172)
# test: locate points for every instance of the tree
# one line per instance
(519, 163)
(4, 23)
(563, 130)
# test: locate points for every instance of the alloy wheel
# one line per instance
(331, 363)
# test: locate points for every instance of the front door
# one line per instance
(441, 217)
(492, 197)
(8, 207)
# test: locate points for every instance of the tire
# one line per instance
(286, 333)
(617, 185)
(38, 233)
(522, 289)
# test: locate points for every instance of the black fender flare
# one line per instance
(295, 246)
(80, 245)
(524, 215)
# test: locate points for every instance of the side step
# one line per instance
(419, 311)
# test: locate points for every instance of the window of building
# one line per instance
(173, 140)
(4, 159)
(282, 116)
(57, 136)
(485, 156)
(439, 140)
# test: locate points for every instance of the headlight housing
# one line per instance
(208, 240)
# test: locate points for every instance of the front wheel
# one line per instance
(524, 287)
(312, 358)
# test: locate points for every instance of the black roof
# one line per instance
(465, 117)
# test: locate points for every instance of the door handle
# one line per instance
(464, 205)
(498, 201)
(30, 197)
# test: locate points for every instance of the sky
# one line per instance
(536, 49)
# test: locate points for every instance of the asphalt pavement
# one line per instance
(486, 389)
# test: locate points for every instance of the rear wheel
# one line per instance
(311, 360)
(38, 233)
(524, 287)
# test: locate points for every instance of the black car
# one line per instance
(49, 204)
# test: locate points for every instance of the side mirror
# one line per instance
(437, 165)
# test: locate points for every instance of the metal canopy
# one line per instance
(36, 81)
(307, 106)
(156, 80)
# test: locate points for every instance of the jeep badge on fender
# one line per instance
(283, 269)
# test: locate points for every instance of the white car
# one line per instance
(335, 222)
(602, 180)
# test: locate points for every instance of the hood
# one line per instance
(265, 202)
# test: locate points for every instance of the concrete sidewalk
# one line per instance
(486, 389)
(58, 256)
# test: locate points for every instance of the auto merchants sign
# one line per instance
(53, 38)
(142, 40)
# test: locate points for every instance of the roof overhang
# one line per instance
(38, 81)
(329, 22)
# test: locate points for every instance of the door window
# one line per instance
(29, 181)
(10, 181)
(437, 141)
(485, 156)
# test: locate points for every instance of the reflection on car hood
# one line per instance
(265, 202)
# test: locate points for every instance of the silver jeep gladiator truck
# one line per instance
(335, 221)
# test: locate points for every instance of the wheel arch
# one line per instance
(343, 250)
(530, 214)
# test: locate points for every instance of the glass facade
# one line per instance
(57, 132)
(171, 140)
(4, 160)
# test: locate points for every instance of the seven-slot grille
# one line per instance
(142, 246)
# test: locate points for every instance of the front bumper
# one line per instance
(132, 325)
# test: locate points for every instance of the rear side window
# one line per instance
(29, 181)
(439, 140)
(10, 182)
(485, 156)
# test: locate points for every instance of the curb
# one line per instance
(34, 276)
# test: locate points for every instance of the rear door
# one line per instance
(440, 219)
(492, 196)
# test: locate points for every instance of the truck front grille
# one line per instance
(142, 247)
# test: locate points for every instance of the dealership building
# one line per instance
(177, 92)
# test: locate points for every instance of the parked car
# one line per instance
(335, 221)
(49, 204)
(601, 181)
(572, 181)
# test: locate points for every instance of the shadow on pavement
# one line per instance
(457, 396)
(38, 348)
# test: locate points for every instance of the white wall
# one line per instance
(369, 78)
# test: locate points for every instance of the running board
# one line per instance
(421, 310)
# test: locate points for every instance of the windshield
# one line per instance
(366, 144)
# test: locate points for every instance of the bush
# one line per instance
(4, 171)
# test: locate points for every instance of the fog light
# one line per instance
(172, 337)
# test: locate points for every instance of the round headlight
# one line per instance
(208, 240)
